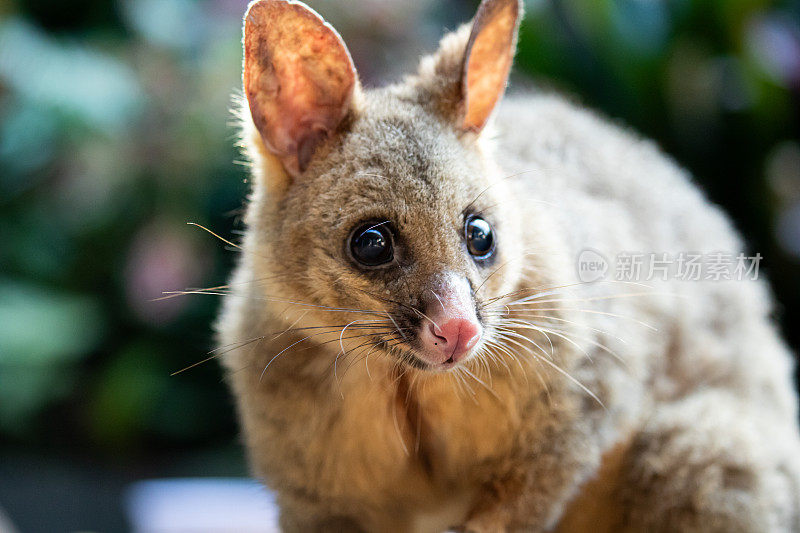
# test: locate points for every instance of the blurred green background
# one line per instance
(115, 132)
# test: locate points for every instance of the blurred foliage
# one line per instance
(115, 132)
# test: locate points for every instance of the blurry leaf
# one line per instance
(128, 390)
(174, 24)
(137, 397)
(39, 327)
(25, 391)
(184, 410)
(643, 26)
(42, 333)
(26, 144)
(788, 229)
(36, 243)
(773, 44)
(95, 88)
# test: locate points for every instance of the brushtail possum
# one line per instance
(411, 345)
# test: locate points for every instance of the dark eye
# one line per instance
(371, 244)
(480, 237)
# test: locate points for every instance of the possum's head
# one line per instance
(380, 213)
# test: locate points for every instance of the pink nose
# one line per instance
(451, 340)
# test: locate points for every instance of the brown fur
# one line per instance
(532, 431)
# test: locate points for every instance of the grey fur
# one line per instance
(703, 408)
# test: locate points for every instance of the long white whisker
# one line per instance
(566, 374)
(476, 378)
(573, 322)
(542, 328)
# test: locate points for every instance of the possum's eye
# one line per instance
(480, 237)
(372, 244)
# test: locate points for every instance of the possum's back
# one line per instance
(613, 192)
(608, 184)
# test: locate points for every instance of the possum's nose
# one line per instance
(452, 339)
(450, 328)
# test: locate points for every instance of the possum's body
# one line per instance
(666, 406)
(713, 398)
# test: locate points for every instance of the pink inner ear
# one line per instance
(298, 77)
(489, 55)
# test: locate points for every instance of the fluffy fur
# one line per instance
(602, 407)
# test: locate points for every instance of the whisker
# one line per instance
(466, 208)
(579, 347)
(539, 292)
(279, 353)
(301, 340)
(495, 271)
(336, 359)
(388, 300)
(587, 299)
(524, 338)
(423, 315)
(439, 299)
(506, 351)
(476, 378)
(575, 381)
(573, 322)
(194, 365)
(567, 375)
(175, 294)
(395, 324)
(591, 311)
(226, 241)
(283, 300)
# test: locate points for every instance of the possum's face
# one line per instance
(404, 220)
(386, 219)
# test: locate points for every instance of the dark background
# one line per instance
(115, 132)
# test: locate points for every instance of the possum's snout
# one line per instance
(452, 328)
(451, 339)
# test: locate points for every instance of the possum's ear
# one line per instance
(467, 76)
(299, 79)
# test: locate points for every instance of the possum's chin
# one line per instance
(413, 358)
